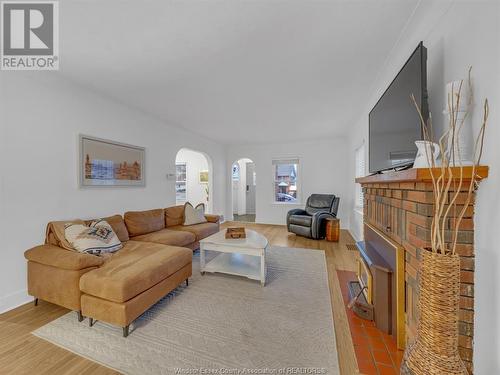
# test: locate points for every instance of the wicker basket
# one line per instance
(435, 350)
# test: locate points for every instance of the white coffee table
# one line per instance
(242, 257)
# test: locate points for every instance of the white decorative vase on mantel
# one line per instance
(427, 155)
(463, 149)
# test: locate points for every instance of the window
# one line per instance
(360, 172)
(236, 172)
(180, 183)
(286, 187)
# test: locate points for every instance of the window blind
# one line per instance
(360, 172)
(285, 161)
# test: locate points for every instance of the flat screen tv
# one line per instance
(394, 123)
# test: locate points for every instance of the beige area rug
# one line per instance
(222, 323)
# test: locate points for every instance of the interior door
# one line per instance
(250, 188)
(236, 185)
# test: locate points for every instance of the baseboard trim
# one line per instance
(13, 300)
(353, 235)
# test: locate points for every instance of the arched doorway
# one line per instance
(244, 185)
(193, 178)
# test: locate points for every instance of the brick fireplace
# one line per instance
(400, 205)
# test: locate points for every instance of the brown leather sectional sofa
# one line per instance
(156, 258)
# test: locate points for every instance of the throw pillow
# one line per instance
(194, 215)
(98, 238)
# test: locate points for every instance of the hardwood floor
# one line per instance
(23, 353)
(249, 218)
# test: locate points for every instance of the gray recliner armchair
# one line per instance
(311, 222)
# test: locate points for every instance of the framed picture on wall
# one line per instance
(109, 163)
(203, 177)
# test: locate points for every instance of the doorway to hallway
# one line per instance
(193, 178)
(244, 185)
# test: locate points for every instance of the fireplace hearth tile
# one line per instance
(376, 352)
(387, 370)
(382, 356)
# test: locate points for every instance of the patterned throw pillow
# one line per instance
(194, 215)
(98, 238)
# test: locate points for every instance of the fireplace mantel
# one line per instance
(420, 175)
(400, 205)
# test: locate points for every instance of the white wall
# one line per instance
(195, 162)
(3, 199)
(322, 170)
(41, 117)
(458, 34)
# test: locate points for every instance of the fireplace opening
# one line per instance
(381, 279)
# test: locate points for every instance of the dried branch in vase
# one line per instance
(447, 188)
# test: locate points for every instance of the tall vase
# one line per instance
(460, 143)
(435, 350)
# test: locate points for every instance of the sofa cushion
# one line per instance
(143, 222)
(194, 215)
(118, 225)
(134, 269)
(201, 231)
(174, 216)
(212, 218)
(168, 237)
(303, 220)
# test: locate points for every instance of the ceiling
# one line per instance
(234, 71)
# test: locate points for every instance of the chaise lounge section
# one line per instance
(129, 283)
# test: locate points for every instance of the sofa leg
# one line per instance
(35, 301)
(125, 331)
(80, 316)
(91, 322)
(187, 282)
